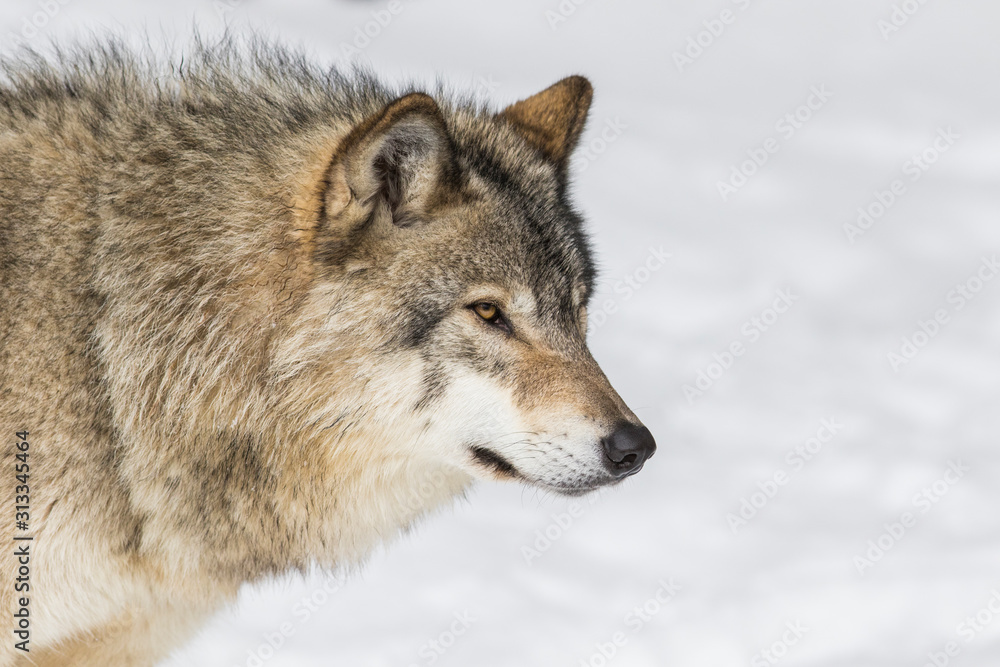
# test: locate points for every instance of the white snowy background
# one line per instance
(673, 129)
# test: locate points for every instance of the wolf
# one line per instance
(260, 316)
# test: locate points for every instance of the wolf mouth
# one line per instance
(490, 459)
(496, 463)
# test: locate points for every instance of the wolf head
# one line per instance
(452, 280)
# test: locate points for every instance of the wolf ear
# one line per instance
(399, 158)
(553, 119)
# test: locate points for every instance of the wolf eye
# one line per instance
(490, 313)
(487, 311)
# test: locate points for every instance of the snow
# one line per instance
(655, 185)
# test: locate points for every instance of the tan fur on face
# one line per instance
(577, 386)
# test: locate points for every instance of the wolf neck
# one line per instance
(330, 502)
(371, 501)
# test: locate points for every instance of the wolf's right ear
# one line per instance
(400, 158)
(551, 121)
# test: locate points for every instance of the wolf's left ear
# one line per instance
(399, 157)
(552, 120)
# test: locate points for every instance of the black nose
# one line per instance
(627, 448)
